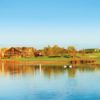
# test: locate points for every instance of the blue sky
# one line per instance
(39, 23)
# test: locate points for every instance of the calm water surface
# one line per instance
(24, 82)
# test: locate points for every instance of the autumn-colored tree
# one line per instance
(72, 51)
(54, 51)
(47, 51)
(82, 52)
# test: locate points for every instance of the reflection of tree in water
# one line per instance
(12, 68)
(84, 68)
(71, 72)
(52, 70)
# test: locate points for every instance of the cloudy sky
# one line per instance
(39, 23)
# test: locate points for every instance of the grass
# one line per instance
(95, 56)
(44, 58)
(40, 60)
(59, 59)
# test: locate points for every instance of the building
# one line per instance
(38, 53)
(12, 53)
(28, 51)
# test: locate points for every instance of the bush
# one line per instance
(67, 56)
(54, 56)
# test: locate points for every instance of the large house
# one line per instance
(12, 52)
(19, 52)
(27, 51)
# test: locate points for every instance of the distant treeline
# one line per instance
(50, 51)
(95, 50)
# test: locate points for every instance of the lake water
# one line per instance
(31, 82)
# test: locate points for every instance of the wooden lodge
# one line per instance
(21, 52)
(12, 52)
(27, 51)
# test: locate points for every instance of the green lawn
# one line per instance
(44, 58)
(95, 56)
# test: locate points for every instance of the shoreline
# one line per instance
(44, 62)
(34, 62)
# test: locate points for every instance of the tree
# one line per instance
(56, 50)
(72, 51)
(48, 51)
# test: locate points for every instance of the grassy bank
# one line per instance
(63, 60)
(95, 56)
(38, 60)
(44, 58)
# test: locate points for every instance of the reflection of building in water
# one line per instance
(13, 68)
(9, 68)
(2, 68)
